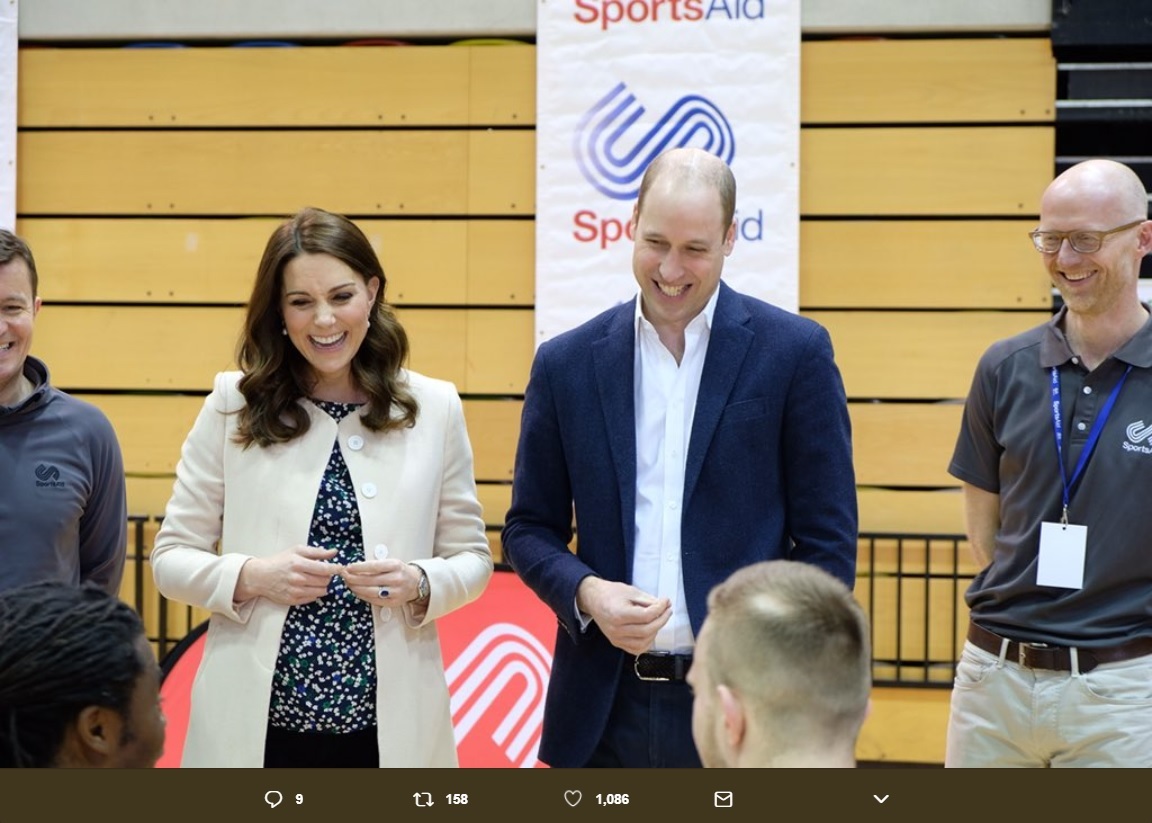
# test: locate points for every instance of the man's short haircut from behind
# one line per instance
(62, 649)
(792, 641)
(13, 247)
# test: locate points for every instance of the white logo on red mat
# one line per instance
(500, 680)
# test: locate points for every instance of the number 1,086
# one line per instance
(612, 799)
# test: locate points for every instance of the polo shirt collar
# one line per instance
(1055, 351)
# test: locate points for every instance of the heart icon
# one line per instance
(572, 797)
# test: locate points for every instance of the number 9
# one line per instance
(299, 799)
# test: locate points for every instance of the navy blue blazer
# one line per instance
(769, 475)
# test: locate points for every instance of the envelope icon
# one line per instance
(723, 800)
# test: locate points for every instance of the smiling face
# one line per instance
(18, 308)
(681, 243)
(1097, 196)
(326, 307)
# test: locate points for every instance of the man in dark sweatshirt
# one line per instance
(63, 515)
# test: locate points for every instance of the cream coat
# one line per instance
(416, 495)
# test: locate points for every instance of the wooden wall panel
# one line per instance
(978, 80)
(929, 171)
(904, 444)
(165, 173)
(904, 355)
(138, 260)
(180, 348)
(148, 496)
(499, 351)
(499, 179)
(146, 261)
(495, 498)
(493, 428)
(502, 262)
(151, 429)
(926, 81)
(921, 264)
(911, 511)
(983, 171)
(142, 348)
(905, 726)
(503, 84)
(203, 87)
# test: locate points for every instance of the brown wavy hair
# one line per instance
(276, 375)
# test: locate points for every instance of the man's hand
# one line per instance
(629, 617)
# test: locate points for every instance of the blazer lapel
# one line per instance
(728, 345)
(613, 358)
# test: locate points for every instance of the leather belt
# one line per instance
(662, 666)
(1057, 658)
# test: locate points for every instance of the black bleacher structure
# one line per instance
(1103, 50)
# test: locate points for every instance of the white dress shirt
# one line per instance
(665, 397)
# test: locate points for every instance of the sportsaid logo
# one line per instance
(1138, 437)
(613, 149)
(48, 476)
(497, 685)
(608, 13)
(614, 161)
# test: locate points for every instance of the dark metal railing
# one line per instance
(912, 587)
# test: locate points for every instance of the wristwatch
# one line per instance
(423, 591)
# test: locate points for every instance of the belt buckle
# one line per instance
(646, 678)
(1023, 649)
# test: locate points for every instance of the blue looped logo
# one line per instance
(47, 473)
(614, 166)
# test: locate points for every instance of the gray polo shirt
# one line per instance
(1007, 446)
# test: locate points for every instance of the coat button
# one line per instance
(385, 614)
(368, 490)
(355, 442)
(380, 552)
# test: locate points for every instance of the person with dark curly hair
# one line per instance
(79, 685)
(325, 512)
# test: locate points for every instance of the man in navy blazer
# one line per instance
(690, 433)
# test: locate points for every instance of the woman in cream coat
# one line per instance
(255, 487)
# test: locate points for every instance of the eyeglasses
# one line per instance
(1081, 240)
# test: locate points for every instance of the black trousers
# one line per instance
(650, 727)
(285, 749)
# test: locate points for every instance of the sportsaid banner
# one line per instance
(497, 659)
(8, 42)
(619, 81)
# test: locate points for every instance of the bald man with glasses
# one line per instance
(1055, 454)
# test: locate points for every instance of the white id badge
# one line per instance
(1063, 548)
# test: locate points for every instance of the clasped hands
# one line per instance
(301, 574)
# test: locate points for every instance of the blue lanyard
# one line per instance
(1093, 436)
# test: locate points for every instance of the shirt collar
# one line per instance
(703, 320)
(1055, 350)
